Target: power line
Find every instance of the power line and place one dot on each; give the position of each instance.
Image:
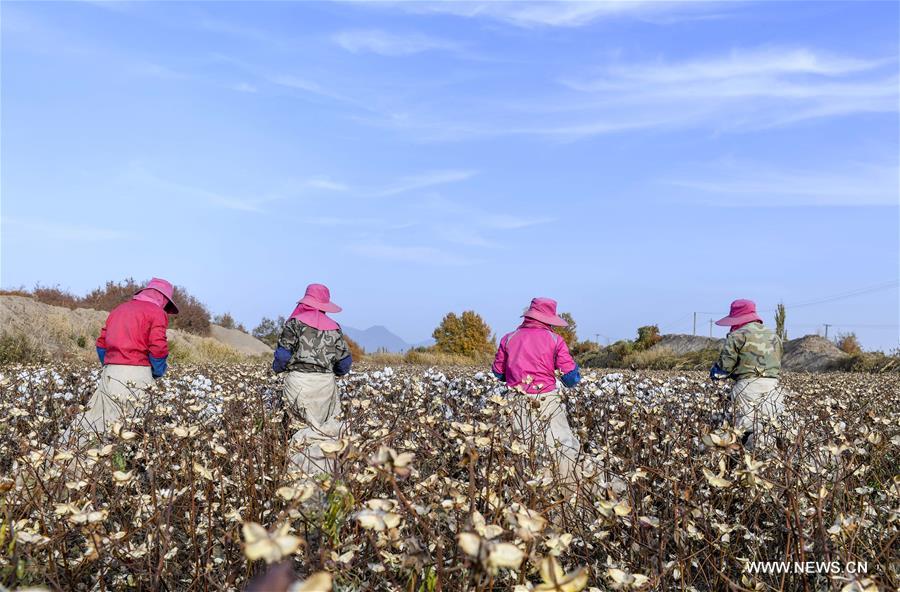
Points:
(833, 298)
(847, 325)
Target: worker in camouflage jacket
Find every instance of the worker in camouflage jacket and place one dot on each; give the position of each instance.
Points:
(312, 351)
(751, 357)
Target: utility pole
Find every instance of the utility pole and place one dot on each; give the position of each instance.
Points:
(826, 330)
(695, 323)
(597, 338)
(710, 327)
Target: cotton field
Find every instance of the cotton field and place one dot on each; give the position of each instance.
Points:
(431, 490)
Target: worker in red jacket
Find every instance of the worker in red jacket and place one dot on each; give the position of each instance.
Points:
(133, 349)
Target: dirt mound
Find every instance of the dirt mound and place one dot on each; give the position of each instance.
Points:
(811, 353)
(685, 344)
(246, 344)
(61, 332)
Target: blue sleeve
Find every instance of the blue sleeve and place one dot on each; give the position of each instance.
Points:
(282, 357)
(571, 378)
(342, 367)
(158, 366)
(499, 375)
(716, 372)
(101, 353)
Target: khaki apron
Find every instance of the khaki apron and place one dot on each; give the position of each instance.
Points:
(313, 395)
(120, 389)
(756, 402)
(550, 418)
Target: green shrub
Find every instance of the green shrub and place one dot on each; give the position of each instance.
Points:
(225, 320)
(19, 350)
(648, 336)
(268, 330)
(870, 362)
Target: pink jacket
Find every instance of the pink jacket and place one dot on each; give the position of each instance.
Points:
(530, 355)
(134, 332)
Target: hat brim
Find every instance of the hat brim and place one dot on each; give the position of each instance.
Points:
(170, 307)
(738, 320)
(319, 305)
(554, 320)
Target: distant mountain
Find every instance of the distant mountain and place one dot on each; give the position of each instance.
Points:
(377, 338)
(427, 343)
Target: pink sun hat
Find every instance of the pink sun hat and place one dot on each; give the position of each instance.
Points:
(544, 310)
(165, 288)
(319, 297)
(742, 311)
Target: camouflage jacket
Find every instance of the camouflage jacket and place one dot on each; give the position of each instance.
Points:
(312, 350)
(751, 351)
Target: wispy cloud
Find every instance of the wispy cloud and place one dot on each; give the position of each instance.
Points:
(730, 92)
(741, 90)
(465, 236)
(565, 13)
(336, 221)
(481, 218)
(423, 181)
(244, 32)
(392, 44)
(327, 184)
(139, 175)
(409, 254)
(244, 87)
(51, 230)
(748, 184)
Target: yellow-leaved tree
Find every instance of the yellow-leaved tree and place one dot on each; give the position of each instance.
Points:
(568, 333)
(466, 334)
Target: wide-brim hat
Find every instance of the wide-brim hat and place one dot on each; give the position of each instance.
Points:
(742, 311)
(319, 297)
(544, 310)
(166, 289)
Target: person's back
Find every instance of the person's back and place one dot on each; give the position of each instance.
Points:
(134, 332)
(751, 351)
(311, 352)
(529, 357)
(314, 350)
(133, 350)
(751, 357)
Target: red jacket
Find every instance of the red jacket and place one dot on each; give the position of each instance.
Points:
(134, 331)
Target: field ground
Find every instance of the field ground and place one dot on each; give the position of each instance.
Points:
(661, 502)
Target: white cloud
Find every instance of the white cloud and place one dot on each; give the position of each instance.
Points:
(737, 184)
(741, 90)
(335, 221)
(140, 176)
(327, 184)
(391, 44)
(733, 91)
(424, 181)
(559, 13)
(244, 87)
(50, 230)
(409, 254)
(482, 218)
(465, 236)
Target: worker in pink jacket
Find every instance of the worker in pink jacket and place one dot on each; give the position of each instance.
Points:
(528, 360)
(133, 350)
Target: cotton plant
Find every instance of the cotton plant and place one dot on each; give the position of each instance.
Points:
(427, 484)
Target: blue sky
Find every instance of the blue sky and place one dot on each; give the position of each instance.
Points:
(638, 161)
